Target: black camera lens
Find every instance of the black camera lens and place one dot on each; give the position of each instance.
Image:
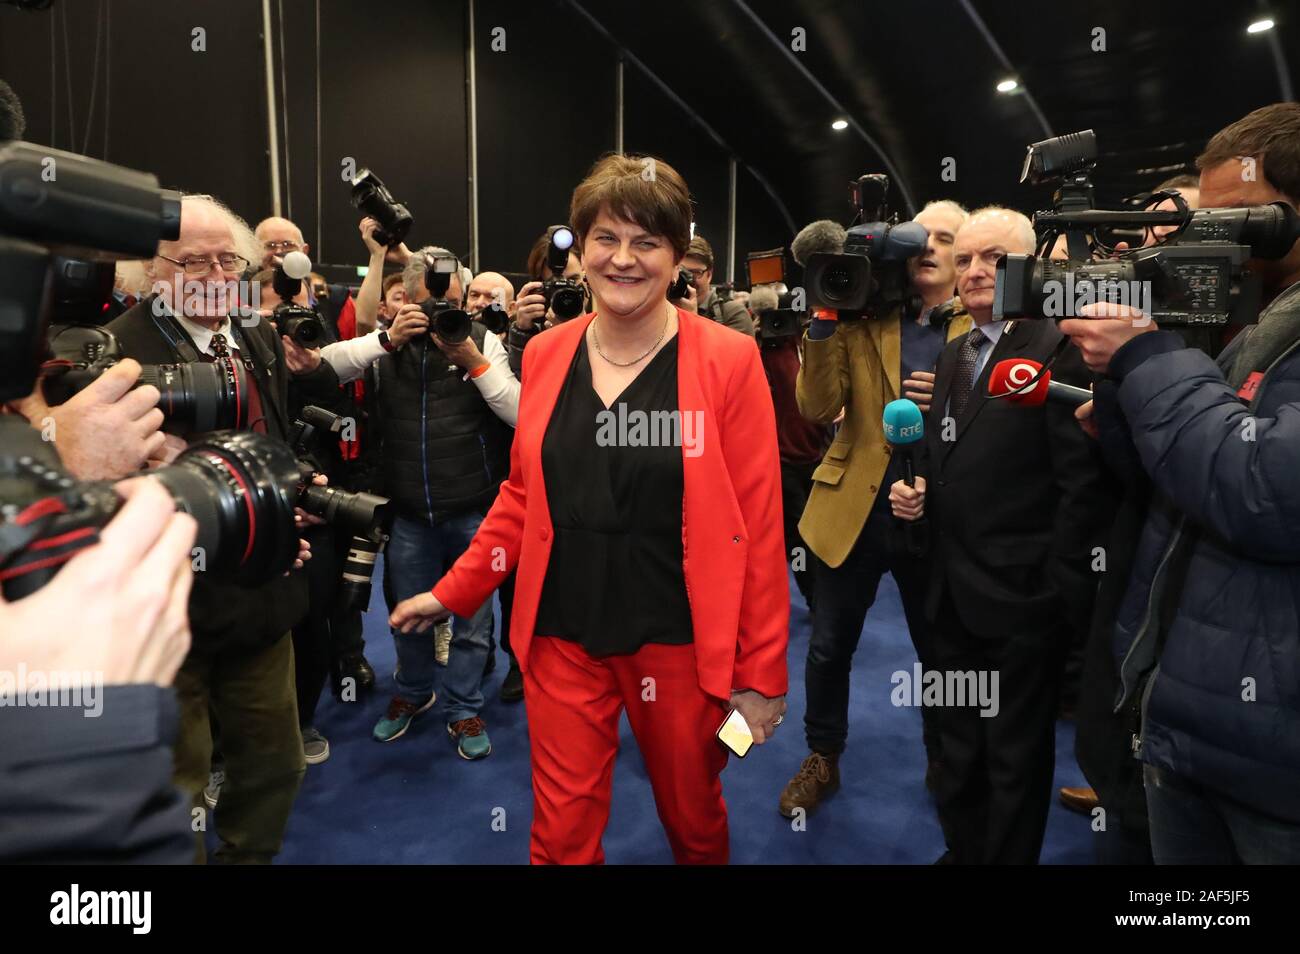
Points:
(302, 325)
(239, 488)
(564, 298)
(494, 318)
(358, 569)
(838, 283)
(451, 324)
(202, 397)
(356, 514)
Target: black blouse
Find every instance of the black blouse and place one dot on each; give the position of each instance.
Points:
(614, 485)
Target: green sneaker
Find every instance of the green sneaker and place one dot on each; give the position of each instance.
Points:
(471, 738)
(398, 717)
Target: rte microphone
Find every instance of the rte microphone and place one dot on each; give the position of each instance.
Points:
(904, 427)
(1011, 378)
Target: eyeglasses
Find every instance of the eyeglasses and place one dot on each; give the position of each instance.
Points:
(279, 247)
(695, 273)
(196, 267)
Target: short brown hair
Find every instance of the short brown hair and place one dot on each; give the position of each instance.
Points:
(389, 282)
(639, 189)
(1271, 136)
(701, 249)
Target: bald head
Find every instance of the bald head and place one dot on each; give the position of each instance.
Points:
(488, 287)
(279, 237)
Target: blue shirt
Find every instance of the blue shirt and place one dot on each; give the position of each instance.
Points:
(919, 351)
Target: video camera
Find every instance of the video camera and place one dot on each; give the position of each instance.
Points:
(564, 297)
(869, 278)
(451, 323)
(1196, 278)
(370, 196)
(782, 322)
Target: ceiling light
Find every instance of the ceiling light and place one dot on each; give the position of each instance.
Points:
(1007, 85)
(1259, 26)
(840, 124)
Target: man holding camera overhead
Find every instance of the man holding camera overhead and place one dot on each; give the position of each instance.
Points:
(446, 412)
(241, 663)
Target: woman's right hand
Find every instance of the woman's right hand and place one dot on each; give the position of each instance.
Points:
(530, 306)
(418, 614)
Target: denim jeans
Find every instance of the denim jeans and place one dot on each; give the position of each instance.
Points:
(417, 556)
(1192, 825)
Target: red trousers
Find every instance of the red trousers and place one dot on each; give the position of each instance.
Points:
(574, 702)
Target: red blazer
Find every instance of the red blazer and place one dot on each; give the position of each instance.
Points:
(732, 531)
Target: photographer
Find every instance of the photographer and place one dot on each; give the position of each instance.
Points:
(1208, 635)
(858, 367)
(704, 298)
(446, 414)
(241, 663)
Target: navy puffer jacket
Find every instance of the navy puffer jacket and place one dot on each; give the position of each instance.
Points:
(1222, 704)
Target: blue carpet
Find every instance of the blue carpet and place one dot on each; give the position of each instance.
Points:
(415, 801)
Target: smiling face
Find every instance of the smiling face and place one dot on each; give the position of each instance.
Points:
(628, 269)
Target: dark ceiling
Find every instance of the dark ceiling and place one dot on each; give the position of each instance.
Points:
(917, 78)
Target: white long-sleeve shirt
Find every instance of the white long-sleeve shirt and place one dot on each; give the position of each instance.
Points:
(498, 385)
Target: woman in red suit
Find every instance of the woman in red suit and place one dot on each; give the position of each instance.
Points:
(643, 511)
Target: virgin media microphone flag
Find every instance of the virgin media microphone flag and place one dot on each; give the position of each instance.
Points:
(1014, 379)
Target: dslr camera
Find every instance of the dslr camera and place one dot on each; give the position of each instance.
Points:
(1196, 279)
(371, 197)
(451, 323)
(301, 323)
(869, 278)
(564, 297)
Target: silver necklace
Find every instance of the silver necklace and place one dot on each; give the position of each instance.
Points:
(595, 337)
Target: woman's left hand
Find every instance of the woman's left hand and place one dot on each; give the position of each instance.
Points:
(762, 714)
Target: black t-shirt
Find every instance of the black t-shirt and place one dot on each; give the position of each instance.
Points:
(615, 487)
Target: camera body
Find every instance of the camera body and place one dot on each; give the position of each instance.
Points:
(494, 317)
(564, 297)
(778, 325)
(869, 277)
(371, 196)
(300, 323)
(448, 321)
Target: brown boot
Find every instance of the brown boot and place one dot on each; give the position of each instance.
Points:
(818, 776)
(1081, 800)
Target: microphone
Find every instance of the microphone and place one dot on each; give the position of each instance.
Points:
(905, 427)
(823, 236)
(1011, 377)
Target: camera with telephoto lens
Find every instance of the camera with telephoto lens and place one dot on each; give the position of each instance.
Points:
(449, 322)
(869, 278)
(564, 297)
(370, 196)
(494, 316)
(301, 323)
(238, 487)
(358, 514)
(194, 398)
(1196, 279)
